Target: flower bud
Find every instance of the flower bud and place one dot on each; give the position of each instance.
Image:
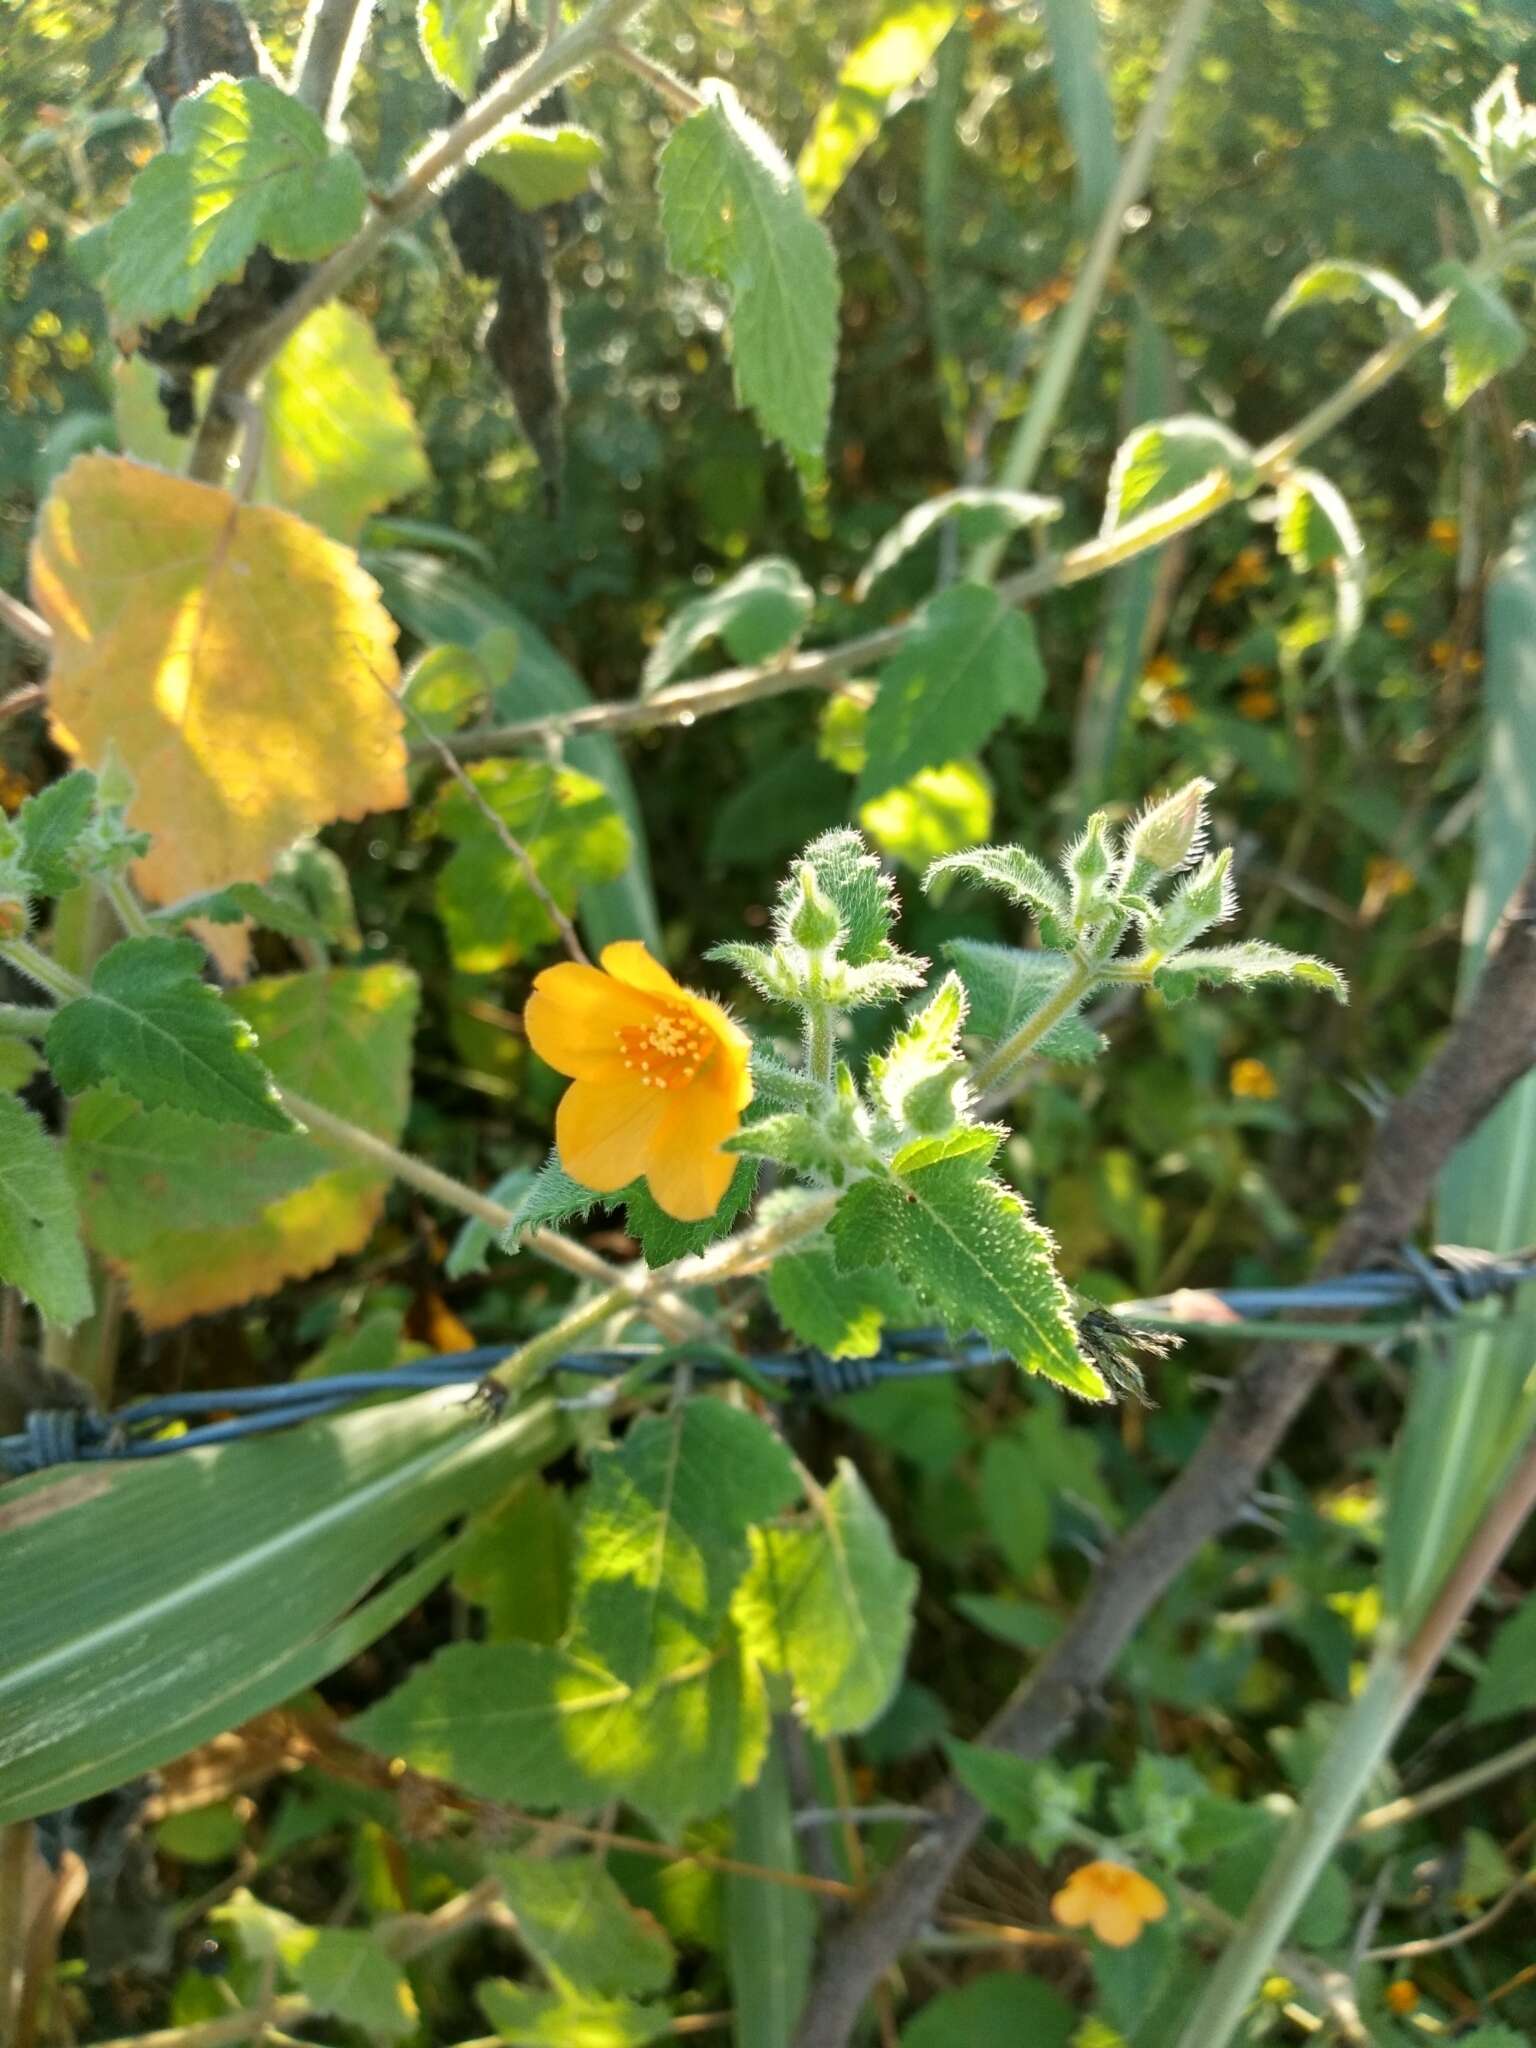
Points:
(813, 921)
(1168, 834)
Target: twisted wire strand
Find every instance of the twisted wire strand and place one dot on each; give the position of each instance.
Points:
(1449, 1281)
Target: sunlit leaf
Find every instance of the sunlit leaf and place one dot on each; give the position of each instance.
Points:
(40, 1250)
(453, 33)
(732, 209)
(829, 1602)
(542, 166)
(165, 1036)
(757, 612)
(884, 65)
(246, 166)
(239, 662)
(197, 1216)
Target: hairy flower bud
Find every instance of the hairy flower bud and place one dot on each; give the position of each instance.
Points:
(813, 921)
(1168, 835)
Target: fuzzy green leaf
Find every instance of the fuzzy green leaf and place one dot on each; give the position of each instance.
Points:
(344, 1971)
(542, 166)
(732, 209)
(48, 827)
(568, 2018)
(565, 823)
(1168, 457)
(40, 1250)
(546, 1728)
(840, 1313)
(166, 1037)
(923, 1052)
(574, 1919)
(1006, 986)
(1335, 282)
(889, 59)
(551, 1197)
(969, 661)
(246, 166)
(829, 1604)
(1482, 334)
(1507, 1683)
(758, 612)
(852, 876)
(662, 1540)
(1250, 961)
(986, 508)
(972, 1249)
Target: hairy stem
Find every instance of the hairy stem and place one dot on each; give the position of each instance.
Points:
(433, 168)
(1003, 1059)
(329, 47)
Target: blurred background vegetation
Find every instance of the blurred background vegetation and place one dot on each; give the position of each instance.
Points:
(1214, 1145)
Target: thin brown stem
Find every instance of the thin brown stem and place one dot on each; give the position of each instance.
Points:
(1434, 1944)
(666, 85)
(25, 623)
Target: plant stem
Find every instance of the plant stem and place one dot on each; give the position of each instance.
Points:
(329, 47)
(131, 914)
(24, 1020)
(31, 961)
(1414, 1805)
(818, 1042)
(1071, 328)
(1398, 1674)
(25, 623)
(434, 166)
(1000, 1062)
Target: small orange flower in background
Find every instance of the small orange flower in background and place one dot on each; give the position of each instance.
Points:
(1442, 652)
(660, 1079)
(1398, 623)
(1112, 1899)
(1443, 533)
(1401, 1996)
(1258, 704)
(1253, 1081)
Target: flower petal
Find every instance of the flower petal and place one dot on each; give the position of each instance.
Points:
(604, 1131)
(1071, 1906)
(629, 962)
(1144, 1898)
(574, 1015)
(1116, 1923)
(685, 1169)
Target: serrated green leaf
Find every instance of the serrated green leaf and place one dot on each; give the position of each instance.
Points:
(1006, 511)
(1005, 984)
(199, 1215)
(345, 1972)
(888, 60)
(1020, 875)
(1482, 334)
(453, 33)
(758, 612)
(1250, 961)
(40, 1249)
(1037, 1803)
(965, 1141)
(1458, 152)
(968, 662)
(542, 166)
(732, 209)
(828, 1603)
(1336, 281)
(541, 1726)
(551, 1197)
(925, 1049)
(48, 827)
(662, 1238)
(841, 1314)
(662, 1541)
(1168, 457)
(246, 166)
(574, 1919)
(565, 823)
(971, 1248)
(166, 1037)
(568, 2018)
(865, 896)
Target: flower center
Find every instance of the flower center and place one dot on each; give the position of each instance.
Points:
(669, 1051)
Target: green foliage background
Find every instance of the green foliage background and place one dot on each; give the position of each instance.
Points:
(1218, 1143)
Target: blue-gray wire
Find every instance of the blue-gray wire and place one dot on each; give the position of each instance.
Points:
(1448, 1281)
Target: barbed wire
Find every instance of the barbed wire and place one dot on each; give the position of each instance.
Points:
(1439, 1288)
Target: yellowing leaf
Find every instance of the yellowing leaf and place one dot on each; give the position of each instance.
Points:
(198, 1216)
(240, 663)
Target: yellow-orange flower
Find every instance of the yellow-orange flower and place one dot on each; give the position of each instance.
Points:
(1401, 1996)
(1115, 1901)
(660, 1079)
(1253, 1081)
